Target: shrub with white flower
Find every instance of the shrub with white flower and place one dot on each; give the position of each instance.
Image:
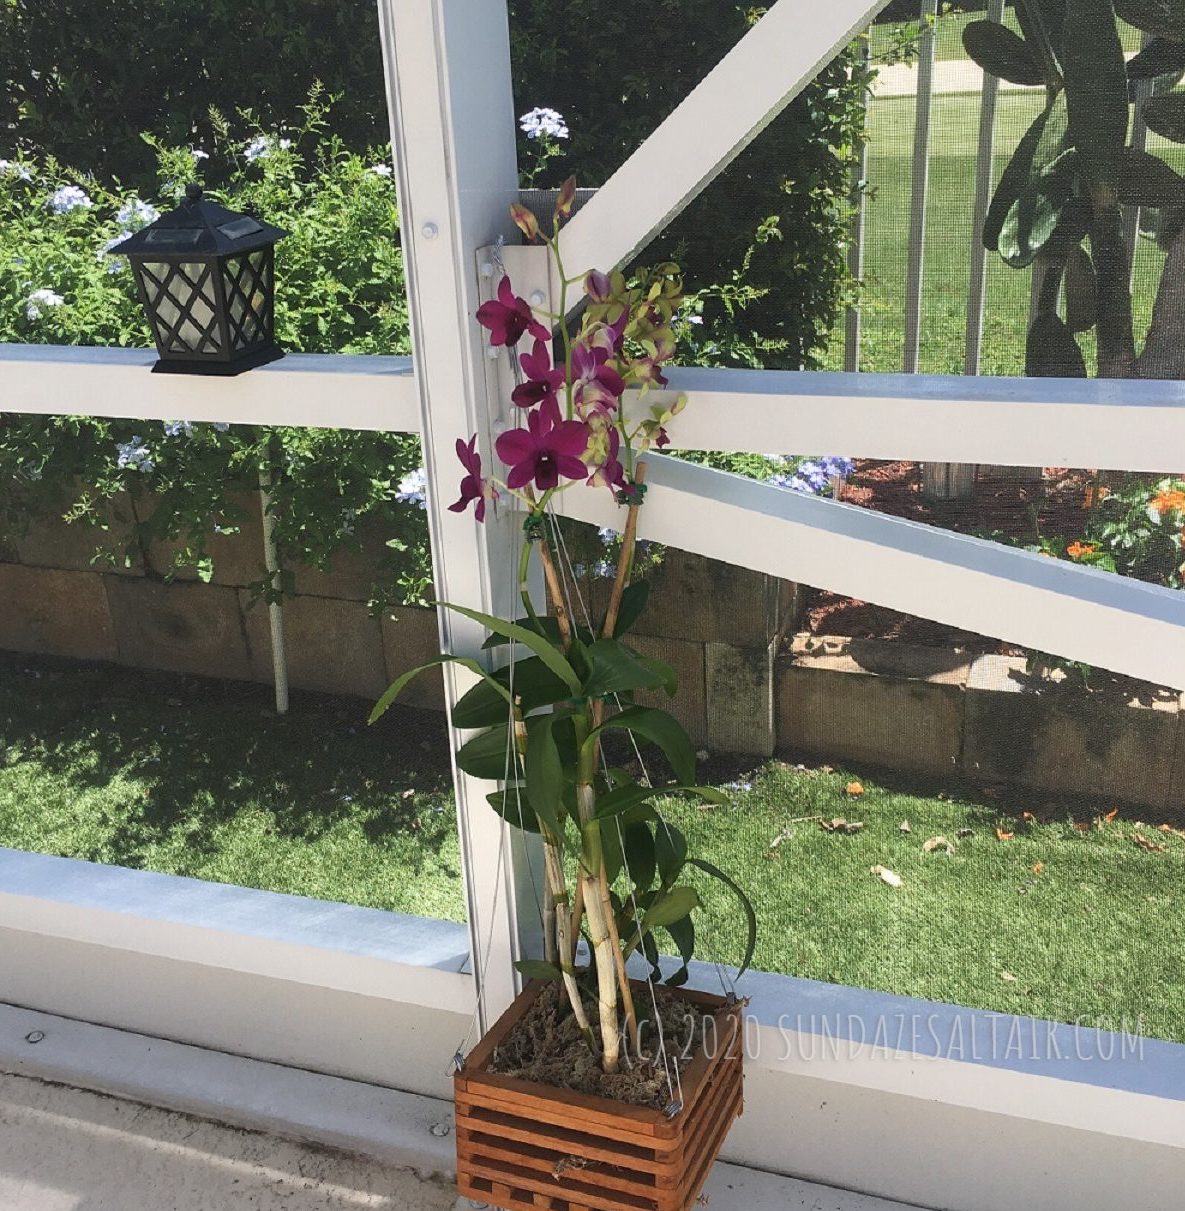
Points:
(40, 301)
(11, 168)
(67, 198)
(413, 488)
(263, 146)
(380, 170)
(542, 122)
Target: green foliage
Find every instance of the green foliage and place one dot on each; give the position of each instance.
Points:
(1073, 169)
(340, 275)
(764, 245)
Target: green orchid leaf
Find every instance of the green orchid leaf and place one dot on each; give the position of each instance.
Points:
(546, 626)
(668, 678)
(537, 969)
(614, 669)
(1051, 350)
(633, 604)
(398, 685)
(544, 773)
(485, 755)
(1147, 180)
(670, 852)
(538, 644)
(1003, 53)
(514, 807)
(640, 860)
(709, 868)
(658, 728)
(668, 906)
(683, 935)
(622, 798)
(532, 682)
(1165, 116)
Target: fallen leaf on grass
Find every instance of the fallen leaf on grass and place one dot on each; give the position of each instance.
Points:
(937, 843)
(1007, 977)
(904, 826)
(840, 825)
(1038, 868)
(1176, 832)
(965, 832)
(1028, 817)
(1148, 844)
(886, 875)
(1111, 815)
(854, 788)
(1001, 835)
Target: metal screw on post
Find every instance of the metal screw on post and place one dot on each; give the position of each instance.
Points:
(440, 1130)
(34, 1036)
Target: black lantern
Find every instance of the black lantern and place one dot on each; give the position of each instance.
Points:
(206, 279)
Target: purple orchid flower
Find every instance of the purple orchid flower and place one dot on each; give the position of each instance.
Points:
(545, 450)
(508, 317)
(597, 386)
(473, 487)
(543, 379)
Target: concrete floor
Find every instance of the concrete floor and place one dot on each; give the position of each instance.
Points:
(65, 1149)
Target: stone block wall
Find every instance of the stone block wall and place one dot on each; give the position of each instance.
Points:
(945, 713)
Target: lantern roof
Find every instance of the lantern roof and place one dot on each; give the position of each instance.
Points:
(202, 228)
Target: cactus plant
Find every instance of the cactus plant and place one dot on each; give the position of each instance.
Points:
(1058, 206)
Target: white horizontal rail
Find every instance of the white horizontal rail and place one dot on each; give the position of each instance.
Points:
(746, 90)
(312, 390)
(1119, 423)
(1054, 606)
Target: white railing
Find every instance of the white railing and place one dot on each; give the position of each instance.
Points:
(92, 942)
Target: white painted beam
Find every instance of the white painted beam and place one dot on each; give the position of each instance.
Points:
(1109, 621)
(746, 90)
(1118, 423)
(317, 390)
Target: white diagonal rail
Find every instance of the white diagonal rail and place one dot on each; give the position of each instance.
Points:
(1051, 605)
(718, 119)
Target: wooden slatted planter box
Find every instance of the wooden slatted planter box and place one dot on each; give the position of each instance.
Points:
(524, 1146)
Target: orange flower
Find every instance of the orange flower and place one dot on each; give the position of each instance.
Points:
(1077, 549)
(1169, 500)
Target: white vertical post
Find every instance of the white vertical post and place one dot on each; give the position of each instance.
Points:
(920, 188)
(984, 176)
(853, 318)
(447, 65)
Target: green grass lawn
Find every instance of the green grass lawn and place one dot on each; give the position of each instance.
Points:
(954, 140)
(948, 34)
(200, 778)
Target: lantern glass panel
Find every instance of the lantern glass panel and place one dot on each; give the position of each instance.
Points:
(247, 282)
(185, 313)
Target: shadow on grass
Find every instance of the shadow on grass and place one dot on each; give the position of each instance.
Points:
(197, 753)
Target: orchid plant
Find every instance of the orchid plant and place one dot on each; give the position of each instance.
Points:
(613, 868)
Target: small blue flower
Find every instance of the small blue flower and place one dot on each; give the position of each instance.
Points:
(543, 123)
(9, 167)
(134, 455)
(68, 197)
(134, 214)
(175, 428)
(413, 488)
(220, 426)
(604, 569)
(739, 786)
(607, 534)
